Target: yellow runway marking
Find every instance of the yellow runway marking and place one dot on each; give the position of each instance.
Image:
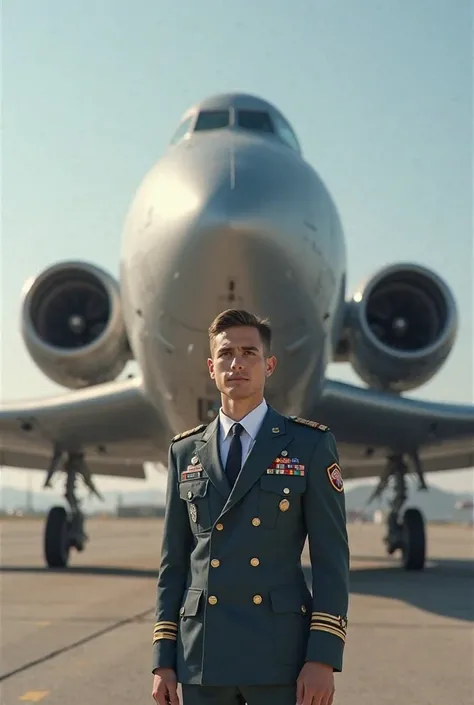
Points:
(34, 696)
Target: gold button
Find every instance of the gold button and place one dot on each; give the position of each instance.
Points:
(219, 527)
(189, 495)
(181, 611)
(284, 505)
(256, 521)
(303, 609)
(258, 599)
(286, 490)
(215, 562)
(212, 600)
(254, 561)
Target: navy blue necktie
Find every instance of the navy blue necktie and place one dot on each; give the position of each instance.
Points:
(234, 459)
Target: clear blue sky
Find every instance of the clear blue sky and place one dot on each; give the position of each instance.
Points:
(379, 92)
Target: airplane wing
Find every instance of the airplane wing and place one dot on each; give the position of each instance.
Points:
(114, 424)
(370, 425)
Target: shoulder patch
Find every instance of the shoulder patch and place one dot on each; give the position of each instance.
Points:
(335, 477)
(191, 431)
(307, 422)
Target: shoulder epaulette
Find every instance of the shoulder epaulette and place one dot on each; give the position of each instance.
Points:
(307, 422)
(191, 431)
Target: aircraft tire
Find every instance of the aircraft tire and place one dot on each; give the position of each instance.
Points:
(414, 540)
(56, 541)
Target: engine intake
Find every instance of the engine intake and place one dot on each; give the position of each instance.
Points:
(402, 325)
(72, 324)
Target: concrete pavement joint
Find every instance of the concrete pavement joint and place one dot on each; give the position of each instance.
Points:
(75, 644)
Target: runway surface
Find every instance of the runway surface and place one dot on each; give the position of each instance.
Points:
(83, 635)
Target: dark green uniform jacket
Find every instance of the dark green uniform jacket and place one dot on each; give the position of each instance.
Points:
(233, 606)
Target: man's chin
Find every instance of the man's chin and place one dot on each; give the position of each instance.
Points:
(238, 390)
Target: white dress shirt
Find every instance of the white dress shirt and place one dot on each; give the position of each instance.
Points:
(251, 425)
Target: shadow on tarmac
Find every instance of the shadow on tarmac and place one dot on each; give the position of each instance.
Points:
(444, 588)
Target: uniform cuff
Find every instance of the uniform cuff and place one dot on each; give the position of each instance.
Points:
(327, 638)
(164, 645)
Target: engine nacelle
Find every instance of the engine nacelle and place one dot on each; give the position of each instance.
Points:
(73, 326)
(400, 328)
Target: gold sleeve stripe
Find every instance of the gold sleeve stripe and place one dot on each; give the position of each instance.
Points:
(329, 619)
(329, 630)
(167, 635)
(164, 635)
(316, 625)
(171, 625)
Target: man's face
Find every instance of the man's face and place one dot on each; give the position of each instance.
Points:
(238, 364)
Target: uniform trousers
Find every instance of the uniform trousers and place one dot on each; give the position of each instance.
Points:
(250, 695)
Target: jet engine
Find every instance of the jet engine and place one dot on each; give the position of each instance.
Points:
(73, 326)
(401, 327)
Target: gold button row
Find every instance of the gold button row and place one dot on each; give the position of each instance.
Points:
(253, 561)
(256, 599)
(256, 521)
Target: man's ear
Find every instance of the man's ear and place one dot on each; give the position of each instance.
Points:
(210, 367)
(271, 364)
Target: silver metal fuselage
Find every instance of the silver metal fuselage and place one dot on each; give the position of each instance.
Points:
(231, 219)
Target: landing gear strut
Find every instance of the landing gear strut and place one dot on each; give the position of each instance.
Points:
(404, 533)
(64, 530)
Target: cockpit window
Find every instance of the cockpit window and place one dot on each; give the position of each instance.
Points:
(257, 120)
(287, 134)
(182, 130)
(212, 120)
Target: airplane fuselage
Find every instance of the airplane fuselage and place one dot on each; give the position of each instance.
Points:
(231, 219)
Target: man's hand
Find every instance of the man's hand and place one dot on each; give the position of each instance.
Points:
(315, 684)
(165, 687)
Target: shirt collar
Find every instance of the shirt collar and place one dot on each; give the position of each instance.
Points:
(251, 422)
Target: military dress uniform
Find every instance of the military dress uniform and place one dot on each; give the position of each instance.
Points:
(234, 611)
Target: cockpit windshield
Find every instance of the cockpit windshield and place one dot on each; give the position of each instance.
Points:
(212, 120)
(257, 120)
(260, 121)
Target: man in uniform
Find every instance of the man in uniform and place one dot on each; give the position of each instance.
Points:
(235, 620)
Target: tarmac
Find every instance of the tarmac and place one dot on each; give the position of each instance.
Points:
(82, 636)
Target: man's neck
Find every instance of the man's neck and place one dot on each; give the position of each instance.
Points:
(236, 409)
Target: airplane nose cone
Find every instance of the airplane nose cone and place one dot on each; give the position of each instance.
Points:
(254, 180)
(242, 236)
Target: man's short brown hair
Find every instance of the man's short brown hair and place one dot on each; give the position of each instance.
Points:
(233, 318)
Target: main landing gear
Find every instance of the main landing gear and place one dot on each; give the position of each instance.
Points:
(406, 532)
(65, 530)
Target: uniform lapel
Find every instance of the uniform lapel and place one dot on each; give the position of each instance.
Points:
(207, 450)
(271, 438)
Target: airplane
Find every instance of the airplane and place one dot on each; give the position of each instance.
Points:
(233, 216)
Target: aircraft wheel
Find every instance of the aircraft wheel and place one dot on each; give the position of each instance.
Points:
(414, 540)
(56, 538)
